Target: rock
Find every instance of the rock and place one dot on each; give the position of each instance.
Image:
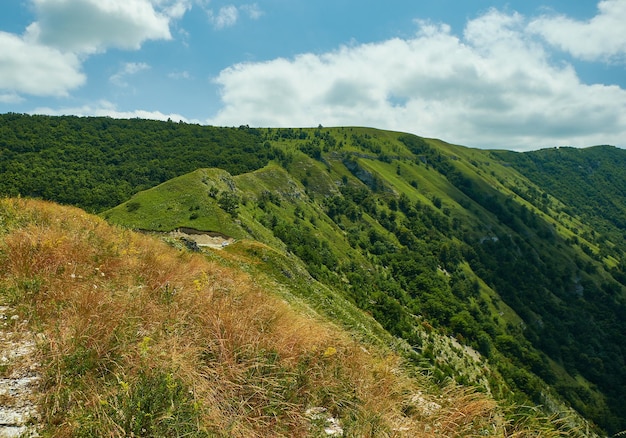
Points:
(190, 244)
(332, 426)
(18, 384)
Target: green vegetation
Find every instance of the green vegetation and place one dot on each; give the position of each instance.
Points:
(97, 162)
(202, 199)
(140, 339)
(451, 250)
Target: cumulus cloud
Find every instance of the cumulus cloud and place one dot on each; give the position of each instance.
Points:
(228, 16)
(128, 69)
(493, 87)
(27, 68)
(600, 38)
(91, 26)
(47, 59)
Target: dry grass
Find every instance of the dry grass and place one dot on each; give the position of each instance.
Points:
(142, 339)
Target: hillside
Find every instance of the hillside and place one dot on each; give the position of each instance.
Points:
(137, 338)
(591, 184)
(491, 270)
(97, 162)
(420, 233)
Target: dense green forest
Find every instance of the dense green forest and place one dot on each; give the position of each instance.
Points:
(520, 256)
(591, 183)
(97, 163)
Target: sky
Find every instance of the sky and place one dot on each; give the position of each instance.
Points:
(518, 74)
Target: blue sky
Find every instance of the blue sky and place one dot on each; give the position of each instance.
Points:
(513, 75)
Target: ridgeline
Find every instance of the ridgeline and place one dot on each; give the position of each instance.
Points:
(499, 272)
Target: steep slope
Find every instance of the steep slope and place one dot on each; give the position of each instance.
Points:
(137, 338)
(500, 270)
(426, 236)
(590, 181)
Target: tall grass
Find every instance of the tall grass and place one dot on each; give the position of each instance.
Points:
(141, 339)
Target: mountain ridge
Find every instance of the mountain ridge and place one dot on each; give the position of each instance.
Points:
(365, 171)
(430, 239)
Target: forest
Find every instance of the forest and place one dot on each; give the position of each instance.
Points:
(98, 163)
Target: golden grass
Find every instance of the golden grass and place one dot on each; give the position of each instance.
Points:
(139, 335)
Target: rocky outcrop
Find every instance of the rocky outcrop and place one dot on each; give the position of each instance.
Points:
(19, 377)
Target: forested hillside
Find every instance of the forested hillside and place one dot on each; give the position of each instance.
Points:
(591, 183)
(117, 334)
(490, 250)
(97, 163)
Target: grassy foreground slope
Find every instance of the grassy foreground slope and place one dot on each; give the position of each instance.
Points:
(138, 338)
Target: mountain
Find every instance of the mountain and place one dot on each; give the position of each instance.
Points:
(135, 337)
(494, 270)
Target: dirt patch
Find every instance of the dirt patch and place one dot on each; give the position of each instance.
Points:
(203, 238)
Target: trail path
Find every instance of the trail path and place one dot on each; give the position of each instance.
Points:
(18, 377)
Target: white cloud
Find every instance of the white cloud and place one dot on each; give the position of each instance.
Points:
(27, 68)
(226, 17)
(174, 8)
(11, 98)
(494, 87)
(601, 38)
(91, 26)
(128, 69)
(47, 59)
(252, 10)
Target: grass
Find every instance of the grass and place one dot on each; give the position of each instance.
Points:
(141, 339)
(299, 192)
(181, 202)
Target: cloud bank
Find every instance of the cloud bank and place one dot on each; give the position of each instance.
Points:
(227, 16)
(47, 59)
(91, 26)
(495, 86)
(31, 68)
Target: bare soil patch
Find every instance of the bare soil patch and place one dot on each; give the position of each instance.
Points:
(208, 239)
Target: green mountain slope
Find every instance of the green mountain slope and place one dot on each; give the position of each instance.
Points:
(115, 333)
(492, 269)
(423, 234)
(591, 183)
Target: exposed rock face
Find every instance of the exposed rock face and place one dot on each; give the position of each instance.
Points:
(18, 377)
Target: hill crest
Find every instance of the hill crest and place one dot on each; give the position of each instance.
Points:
(500, 252)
